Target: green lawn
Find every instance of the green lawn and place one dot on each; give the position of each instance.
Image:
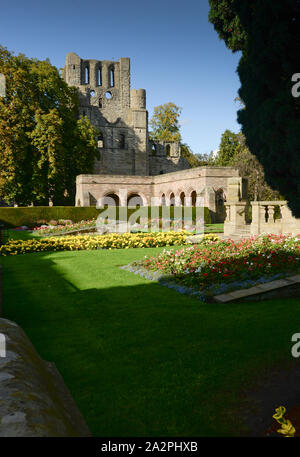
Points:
(141, 359)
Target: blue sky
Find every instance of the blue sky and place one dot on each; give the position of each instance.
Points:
(175, 53)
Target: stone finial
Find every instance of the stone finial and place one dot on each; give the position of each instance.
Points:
(2, 85)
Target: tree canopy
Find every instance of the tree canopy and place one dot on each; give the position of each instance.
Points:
(267, 33)
(43, 146)
(166, 127)
(234, 152)
(165, 123)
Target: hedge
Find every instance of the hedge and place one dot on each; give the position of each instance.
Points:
(29, 216)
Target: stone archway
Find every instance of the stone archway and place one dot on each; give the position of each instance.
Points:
(135, 200)
(182, 198)
(111, 199)
(220, 206)
(172, 199)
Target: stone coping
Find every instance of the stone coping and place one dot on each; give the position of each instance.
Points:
(34, 400)
(272, 289)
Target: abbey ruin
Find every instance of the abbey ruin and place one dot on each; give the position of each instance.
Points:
(145, 169)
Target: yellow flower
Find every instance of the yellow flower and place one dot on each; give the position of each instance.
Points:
(287, 429)
(279, 413)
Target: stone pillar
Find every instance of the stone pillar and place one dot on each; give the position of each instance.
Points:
(255, 224)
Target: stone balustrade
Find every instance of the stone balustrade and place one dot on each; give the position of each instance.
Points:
(263, 218)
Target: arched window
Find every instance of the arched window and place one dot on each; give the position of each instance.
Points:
(122, 141)
(172, 199)
(168, 150)
(182, 198)
(111, 77)
(153, 149)
(134, 200)
(99, 76)
(86, 75)
(194, 197)
(100, 141)
(111, 200)
(163, 200)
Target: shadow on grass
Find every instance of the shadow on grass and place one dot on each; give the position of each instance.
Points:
(141, 359)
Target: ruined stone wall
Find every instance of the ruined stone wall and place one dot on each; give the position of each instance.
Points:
(165, 157)
(34, 399)
(201, 186)
(120, 115)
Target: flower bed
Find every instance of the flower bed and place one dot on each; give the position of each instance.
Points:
(86, 242)
(63, 226)
(213, 268)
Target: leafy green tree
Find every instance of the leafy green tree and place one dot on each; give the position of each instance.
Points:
(165, 123)
(249, 167)
(228, 148)
(271, 117)
(42, 144)
(165, 127)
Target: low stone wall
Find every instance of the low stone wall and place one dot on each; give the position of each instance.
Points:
(34, 401)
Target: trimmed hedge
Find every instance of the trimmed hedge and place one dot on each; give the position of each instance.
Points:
(29, 216)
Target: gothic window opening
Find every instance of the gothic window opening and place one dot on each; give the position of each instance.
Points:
(111, 77)
(99, 77)
(86, 75)
(168, 150)
(153, 149)
(172, 199)
(122, 141)
(100, 141)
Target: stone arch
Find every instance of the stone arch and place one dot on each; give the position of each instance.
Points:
(136, 199)
(182, 198)
(110, 198)
(220, 199)
(194, 198)
(163, 200)
(172, 199)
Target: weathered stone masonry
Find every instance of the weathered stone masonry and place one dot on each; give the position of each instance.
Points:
(130, 165)
(121, 116)
(203, 186)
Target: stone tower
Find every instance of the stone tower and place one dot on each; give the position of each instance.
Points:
(119, 114)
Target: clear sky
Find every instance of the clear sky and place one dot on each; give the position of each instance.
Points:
(175, 53)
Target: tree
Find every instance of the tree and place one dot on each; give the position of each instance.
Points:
(228, 148)
(249, 167)
(42, 144)
(165, 127)
(234, 152)
(267, 33)
(165, 123)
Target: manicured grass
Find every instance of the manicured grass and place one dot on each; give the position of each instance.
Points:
(141, 359)
(214, 228)
(21, 235)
